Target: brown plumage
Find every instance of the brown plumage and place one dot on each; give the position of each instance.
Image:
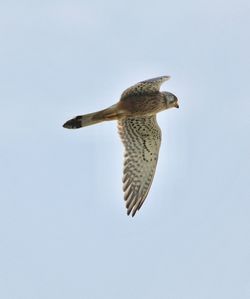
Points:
(140, 134)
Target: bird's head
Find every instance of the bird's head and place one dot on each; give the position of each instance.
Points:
(170, 100)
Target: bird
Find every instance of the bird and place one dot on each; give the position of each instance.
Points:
(140, 134)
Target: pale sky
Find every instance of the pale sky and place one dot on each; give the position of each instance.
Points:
(64, 232)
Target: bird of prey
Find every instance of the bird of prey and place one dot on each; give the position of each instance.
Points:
(136, 115)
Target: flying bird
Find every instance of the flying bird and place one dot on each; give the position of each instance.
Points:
(139, 131)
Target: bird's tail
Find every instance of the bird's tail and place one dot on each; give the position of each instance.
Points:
(80, 121)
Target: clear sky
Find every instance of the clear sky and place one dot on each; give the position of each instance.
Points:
(64, 232)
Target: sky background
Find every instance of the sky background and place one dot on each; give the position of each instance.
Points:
(64, 232)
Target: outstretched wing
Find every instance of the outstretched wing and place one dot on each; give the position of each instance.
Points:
(145, 87)
(142, 139)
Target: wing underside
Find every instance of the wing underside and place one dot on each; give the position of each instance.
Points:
(145, 87)
(141, 137)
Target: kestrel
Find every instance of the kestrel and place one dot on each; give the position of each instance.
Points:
(136, 115)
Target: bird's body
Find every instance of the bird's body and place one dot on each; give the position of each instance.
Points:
(143, 105)
(136, 114)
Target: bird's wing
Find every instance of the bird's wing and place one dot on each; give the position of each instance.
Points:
(145, 87)
(141, 137)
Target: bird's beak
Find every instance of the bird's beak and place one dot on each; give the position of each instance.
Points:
(177, 105)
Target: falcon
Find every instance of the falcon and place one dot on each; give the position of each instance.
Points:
(140, 133)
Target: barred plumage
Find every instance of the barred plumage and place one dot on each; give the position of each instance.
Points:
(142, 139)
(136, 114)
